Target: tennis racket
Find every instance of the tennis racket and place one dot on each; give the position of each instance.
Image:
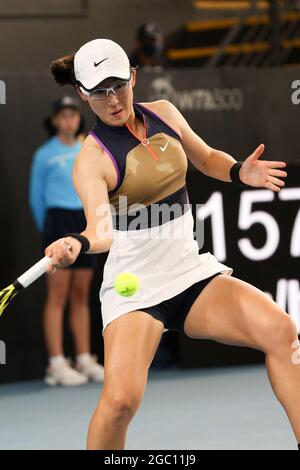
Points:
(22, 282)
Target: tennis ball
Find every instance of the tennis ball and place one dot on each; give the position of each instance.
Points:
(126, 284)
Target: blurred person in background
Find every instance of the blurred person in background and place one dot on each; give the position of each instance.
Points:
(148, 49)
(57, 209)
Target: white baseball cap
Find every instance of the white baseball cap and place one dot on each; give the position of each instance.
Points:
(99, 59)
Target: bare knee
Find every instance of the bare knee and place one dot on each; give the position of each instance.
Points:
(281, 335)
(120, 407)
(57, 298)
(79, 295)
(124, 407)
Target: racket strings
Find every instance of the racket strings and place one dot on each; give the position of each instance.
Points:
(6, 295)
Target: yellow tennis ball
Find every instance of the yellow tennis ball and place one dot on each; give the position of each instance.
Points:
(126, 284)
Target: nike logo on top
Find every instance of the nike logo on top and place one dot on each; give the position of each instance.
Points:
(96, 64)
(164, 148)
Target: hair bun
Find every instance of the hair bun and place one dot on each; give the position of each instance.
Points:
(63, 70)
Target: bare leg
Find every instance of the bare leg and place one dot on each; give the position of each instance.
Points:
(79, 308)
(57, 294)
(130, 343)
(232, 311)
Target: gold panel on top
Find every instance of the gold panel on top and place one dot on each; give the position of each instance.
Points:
(148, 180)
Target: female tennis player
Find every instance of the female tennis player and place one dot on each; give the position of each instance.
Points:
(135, 157)
(57, 209)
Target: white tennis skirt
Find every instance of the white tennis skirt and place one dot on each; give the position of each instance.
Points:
(165, 258)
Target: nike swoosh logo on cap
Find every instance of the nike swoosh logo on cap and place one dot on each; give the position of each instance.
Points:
(96, 64)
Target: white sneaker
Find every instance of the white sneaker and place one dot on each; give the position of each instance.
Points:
(64, 374)
(91, 369)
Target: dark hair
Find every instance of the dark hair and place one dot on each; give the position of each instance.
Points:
(51, 130)
(63, 70)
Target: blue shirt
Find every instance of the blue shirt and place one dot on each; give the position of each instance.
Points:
(51, 183)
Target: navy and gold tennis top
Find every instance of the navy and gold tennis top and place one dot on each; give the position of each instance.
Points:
(151, 171)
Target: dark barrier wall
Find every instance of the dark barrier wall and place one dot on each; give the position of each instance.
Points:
(231, 110)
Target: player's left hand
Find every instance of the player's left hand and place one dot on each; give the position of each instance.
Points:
(262, 173)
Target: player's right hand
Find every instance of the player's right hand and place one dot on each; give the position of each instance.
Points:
(63, 252)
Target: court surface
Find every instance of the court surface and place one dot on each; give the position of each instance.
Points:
(231, 408)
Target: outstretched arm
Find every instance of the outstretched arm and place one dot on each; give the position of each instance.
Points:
(91, 186)
(217, 164)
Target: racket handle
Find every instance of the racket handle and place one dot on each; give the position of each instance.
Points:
(32, 274)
